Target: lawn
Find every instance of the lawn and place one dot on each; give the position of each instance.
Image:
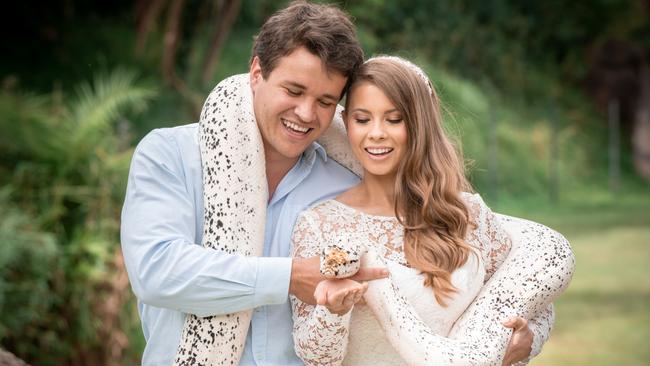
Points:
(604, 316)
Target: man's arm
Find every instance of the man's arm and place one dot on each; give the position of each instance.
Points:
(165, 265)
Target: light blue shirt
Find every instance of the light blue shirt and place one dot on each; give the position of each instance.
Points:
(172, 274)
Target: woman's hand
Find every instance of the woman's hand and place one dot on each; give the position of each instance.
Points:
(339, 295)
(305, 276)
(521, 342)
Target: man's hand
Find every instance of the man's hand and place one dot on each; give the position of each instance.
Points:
(521, 343)
(305, 276)
(338, 296)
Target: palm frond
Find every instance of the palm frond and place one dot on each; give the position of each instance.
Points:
(100, 104)
(30, 126)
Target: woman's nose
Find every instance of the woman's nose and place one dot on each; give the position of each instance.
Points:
(377, 130)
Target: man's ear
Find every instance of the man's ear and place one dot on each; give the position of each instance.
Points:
(255, 72)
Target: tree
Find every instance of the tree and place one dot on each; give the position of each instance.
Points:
(222, 13)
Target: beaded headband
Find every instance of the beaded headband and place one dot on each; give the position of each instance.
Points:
(411, 66)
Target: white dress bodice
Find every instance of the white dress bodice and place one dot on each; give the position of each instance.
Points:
(367, 344)
(401, 322)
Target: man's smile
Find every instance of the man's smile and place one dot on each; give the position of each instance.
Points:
(295, 128)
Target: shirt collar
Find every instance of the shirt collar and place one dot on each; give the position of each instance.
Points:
(312, 151)
(299, 172)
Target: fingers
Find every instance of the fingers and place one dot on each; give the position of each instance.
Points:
(369, 274)
(521, 341)
(516, 323)
(339, 295)
(350, 298)
(320, 294)
(507, 360)
(347, 293)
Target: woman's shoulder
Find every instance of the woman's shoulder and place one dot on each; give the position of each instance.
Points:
(474, 203)
(327, 210)
(480, 215)
(471, 198)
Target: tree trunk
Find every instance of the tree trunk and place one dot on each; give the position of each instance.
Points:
(641, 128)
(146, 13)
(170, 41)
(227, 13)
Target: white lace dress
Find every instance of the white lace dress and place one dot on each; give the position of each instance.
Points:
(402, 323)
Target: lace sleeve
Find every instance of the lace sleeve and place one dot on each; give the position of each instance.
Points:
(320, 337)
(538, 269)
(488, 235)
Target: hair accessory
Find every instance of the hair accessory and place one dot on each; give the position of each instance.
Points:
(413, 67)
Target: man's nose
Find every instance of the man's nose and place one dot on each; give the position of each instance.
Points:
(306, 111)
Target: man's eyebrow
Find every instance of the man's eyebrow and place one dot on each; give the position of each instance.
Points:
(295, 85)
(302, 87)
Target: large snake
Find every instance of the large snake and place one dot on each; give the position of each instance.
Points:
(521, 286)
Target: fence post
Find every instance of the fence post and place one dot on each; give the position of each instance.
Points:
(614, 146)
(554, 158)
(493, 155)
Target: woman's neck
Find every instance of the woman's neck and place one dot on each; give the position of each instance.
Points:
(374, 195)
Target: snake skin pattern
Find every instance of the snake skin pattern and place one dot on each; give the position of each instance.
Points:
(235, 194)
(527, 265)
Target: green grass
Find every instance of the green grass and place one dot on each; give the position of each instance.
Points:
(604, 316)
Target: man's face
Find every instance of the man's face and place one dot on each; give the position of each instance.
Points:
(295, 104)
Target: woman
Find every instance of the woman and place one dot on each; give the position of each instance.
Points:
(412, 213)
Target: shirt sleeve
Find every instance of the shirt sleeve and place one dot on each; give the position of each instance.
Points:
(166, 267)
(320, 337)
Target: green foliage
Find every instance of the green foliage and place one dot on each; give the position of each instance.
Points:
(507, 71)
(522, 48)
(507, 146)
(64, 173)
(27, 259)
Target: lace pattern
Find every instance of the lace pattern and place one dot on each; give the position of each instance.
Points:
(322, 338)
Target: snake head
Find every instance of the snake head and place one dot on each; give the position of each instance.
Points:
(336, 262)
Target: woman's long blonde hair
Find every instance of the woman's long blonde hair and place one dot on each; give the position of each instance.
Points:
(430, 177)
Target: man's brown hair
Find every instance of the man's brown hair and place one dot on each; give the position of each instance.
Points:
(324, 30)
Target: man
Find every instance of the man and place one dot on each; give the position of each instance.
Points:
(302, 61)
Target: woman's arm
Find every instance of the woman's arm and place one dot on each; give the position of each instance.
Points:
(537, 268)
(495, 243)
(320, 337)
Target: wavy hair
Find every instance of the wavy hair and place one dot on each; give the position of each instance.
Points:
(430, 177)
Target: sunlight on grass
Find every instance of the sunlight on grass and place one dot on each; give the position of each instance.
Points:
(604, 316)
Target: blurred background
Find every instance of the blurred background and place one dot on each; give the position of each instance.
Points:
(550, 101)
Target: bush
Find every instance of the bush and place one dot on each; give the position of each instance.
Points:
(62, 282)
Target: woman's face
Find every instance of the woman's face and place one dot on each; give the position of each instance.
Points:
(376, 130)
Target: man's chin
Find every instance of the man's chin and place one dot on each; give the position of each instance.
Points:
(292, 152)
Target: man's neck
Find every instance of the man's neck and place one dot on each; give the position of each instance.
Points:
(276, 168)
